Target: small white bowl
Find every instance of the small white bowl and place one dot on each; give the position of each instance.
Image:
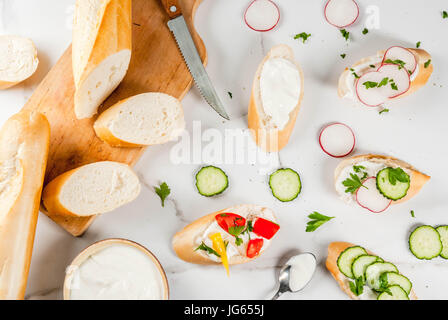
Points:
(100, 245)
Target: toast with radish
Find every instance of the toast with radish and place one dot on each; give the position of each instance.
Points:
(362, 275)
(277, 93)
(395, 72)
(230, 236)
(375, 181)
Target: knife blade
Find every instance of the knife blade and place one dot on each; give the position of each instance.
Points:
(179, 28)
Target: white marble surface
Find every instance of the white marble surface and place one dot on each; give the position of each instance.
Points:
(415, 130)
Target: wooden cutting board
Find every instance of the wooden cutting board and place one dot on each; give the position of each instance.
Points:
(156, 65)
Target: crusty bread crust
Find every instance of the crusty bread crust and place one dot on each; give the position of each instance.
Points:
(50, 195)
(334, 250)
(418, 179)
(184, 242)
(422, 78)
(272, 140)
(26, 136)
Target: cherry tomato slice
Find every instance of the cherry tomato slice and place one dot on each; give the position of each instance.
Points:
(265, 228)
(226, 220)
(253, 247)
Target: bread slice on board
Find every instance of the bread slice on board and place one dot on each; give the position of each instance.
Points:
(418, 179)
(268, 137)
(94, 188)
(101, 51)
(334, 250)
(24, 143)
(18, 60)
(142, 120)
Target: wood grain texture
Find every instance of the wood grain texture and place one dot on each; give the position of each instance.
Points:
(156, 66)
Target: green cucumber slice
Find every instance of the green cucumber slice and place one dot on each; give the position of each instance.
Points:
(393, 278)
(285, 184)
(361, 263)
(443, 232)
(391, 191)
(346, 258)
(398, 293)
(375, 270)
(211, 181)
(425, 243)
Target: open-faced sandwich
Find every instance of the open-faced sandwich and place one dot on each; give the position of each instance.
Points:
(231, 236)
(375, 182)
(387, 75)
(277, 93)
(364, 276)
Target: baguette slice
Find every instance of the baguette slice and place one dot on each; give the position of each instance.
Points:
(334, 250)
(24, 143)
(18, 60)
(418, 179)
(184, 242)
(420, 80)
(92, 189)
(266, 135)
(141, 120)
(101, 51)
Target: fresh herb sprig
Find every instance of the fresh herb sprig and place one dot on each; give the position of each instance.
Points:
(357, 286)
(398, 62)
(207, 249)
(354, 182)
(398, 174)
(304, 36)
(316, 221)
(345, 34)
(163, 191)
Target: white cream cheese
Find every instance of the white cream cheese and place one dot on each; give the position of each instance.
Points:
(301, 272)
(280, 86)
(250, 212)
(117, 272)
(367, 293)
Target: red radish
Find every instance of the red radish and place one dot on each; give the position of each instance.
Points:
(262, 15)
(370, 198)
(403, 54)
(341, 13)
(400, 76)
(337, 140)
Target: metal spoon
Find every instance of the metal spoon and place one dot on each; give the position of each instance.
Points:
(284, 278)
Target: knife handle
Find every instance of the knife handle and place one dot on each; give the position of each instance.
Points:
(172, 8)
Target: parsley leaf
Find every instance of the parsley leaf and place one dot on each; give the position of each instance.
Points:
(230, 94)
(418, 44)
(398, 62)
(345, 34)
(365, 31)
(358, 169)
(316, 221)
(163, 191)
(444, 14)
(353, 184)
(383, 82)
(304, 36)
(427, 63)
(357, 287)
(354, 73)
(412, 214)
(372, 66)
(343, 56)
(384, 285)
(207, 249)
(397, 174)
(383, 111)
(370, 84)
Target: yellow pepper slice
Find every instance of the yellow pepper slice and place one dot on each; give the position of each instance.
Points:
(220, 247)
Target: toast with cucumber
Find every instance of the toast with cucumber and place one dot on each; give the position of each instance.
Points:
(362, 275)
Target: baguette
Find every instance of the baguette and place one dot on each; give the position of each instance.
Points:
(418, 179)
(24, 143)
(334, 250)
(101, 51)
(345, 90)
(266, 133)
(91, 189)
(141, 120)
(186, 241)
(18, 60)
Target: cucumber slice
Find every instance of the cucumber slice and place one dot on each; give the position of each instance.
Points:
(443, 232)
(211, 181)
(285, 184)
(425, 243)
(361, 263)
(375, 270)
(397, 294)
(393, 278)
(346, 259)
(391, 191)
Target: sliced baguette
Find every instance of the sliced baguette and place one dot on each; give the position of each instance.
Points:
(141, 120)
(101, 51)
(18, 60)
(420, 80)
(92, 189)
(334, 250)
(266, 135)
(24, 143)
(184, 242)
(418, 179)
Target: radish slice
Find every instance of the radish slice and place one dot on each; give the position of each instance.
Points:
(400, 76)
(337, 140)
(341, 13)
(372, 97)
(262, 15)
(403, 54)
(370, 198)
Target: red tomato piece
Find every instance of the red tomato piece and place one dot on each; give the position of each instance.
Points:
(253, 247)
(265, 228)
(226, 220)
